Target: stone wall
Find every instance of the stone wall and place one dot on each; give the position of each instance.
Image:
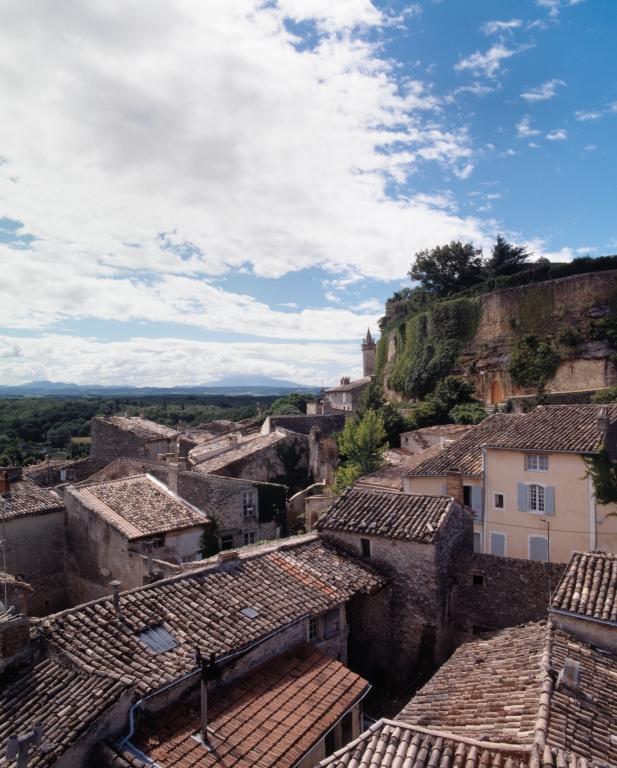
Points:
(35, 547)
(323, 456)
(492, 592)
(14, 640)
(48, 474)
(302, 424)
(109, 442)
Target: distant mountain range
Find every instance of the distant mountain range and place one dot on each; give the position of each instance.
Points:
(231, 385)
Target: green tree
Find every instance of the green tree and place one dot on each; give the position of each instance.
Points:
(208, 541)
(533, 363)
(506, 259)
(447, 269)
(363, 445)
(372, 399)
(453, 390)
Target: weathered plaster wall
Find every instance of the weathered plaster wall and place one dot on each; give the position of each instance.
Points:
(323, 456)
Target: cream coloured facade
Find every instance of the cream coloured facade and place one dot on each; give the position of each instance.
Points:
(543, 509)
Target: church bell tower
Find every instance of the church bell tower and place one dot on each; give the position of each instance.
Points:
(369, 355)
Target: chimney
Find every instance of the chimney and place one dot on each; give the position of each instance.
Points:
(18, 747)
(454, 484)
(232, 440)
(203, 663)
(570, 677)
(518, 407)
(150, 544)
(228, 560)
(116, 584)
(142, 415)
(14, 638)
(5, 483)
(603, 419)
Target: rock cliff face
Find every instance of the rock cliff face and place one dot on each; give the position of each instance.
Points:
(570, 312)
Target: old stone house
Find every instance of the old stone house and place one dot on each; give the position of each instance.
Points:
(419, 440)
(130, 436)
(107, 667)
(34, 530)
(345, 398)
(109, 526)
(399, 463)
(413, 539)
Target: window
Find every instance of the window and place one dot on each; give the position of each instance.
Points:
(538, 548)
(331, 623)
(536, 462)
(498, 544)
(499, 501)
(535, 498)
(478, 580)
(248, 505)
(313, 628)
(467, 495)
(227, 542)
(157, 639)
(347, 728)
(249, 538)
(366, 547)
(190, 558)
(158, 448)
(477, 542)
(62, 475)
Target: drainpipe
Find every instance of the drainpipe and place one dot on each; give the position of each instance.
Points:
(484, 502)
(19, 746)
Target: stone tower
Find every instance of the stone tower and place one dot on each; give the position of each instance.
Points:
(369, 355)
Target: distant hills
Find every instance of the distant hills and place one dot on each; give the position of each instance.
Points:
(231, 385)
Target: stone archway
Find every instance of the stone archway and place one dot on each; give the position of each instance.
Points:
(496, 393)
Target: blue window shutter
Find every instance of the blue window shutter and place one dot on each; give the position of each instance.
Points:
(549, 500)
(445, 490)
(476, 502)
(522, 497)
(538, 548)
(498, 544)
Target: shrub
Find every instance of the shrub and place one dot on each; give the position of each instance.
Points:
(468, 413)
(533, 363)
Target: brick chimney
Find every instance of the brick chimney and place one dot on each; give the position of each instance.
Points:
(454, 484)
(5, 483)
(14, 639)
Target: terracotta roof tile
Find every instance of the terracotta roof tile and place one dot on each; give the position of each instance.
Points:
(554, 428)
(386, 513)
(142, 428)
(271, 716)
(28, 498)
(246, 447)
(391, 477)
(589, 586)
(465, 454)
(140, 506)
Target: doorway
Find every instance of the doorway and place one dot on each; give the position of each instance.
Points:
(496, 393)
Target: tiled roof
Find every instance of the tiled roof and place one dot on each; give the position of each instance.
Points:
(271, 716)
(352, 385)
(490, 686)
(465, 453)
(142, 428)
(66, 699)
(387, 513)
(589, 586)
(140, 506)
(391, 477)
(506, 688)
(28, 498)
(389, 743)
(246, 447)
(203, 607)
(439, 430)
(554, 428)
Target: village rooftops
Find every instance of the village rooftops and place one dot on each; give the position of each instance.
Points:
(532, 685)
(246, 446)
(351, 385)
(439, 430)
(569, 428)
(139, 506)
(466, 453)
(399, 462)
(271, 716)
(147, 431)
(389, 743)
(27, 498)
(387, 513)
(589, 587)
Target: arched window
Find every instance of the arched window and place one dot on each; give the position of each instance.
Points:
(535, 498)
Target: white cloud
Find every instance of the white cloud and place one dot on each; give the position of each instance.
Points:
(534, 146)
(542, 92)
(149, 148)
(559, 134)
(552, 6)
(589, 148)
(291, 304)
(477, 89)
(169, 361)
(523, 129)
(488, 63)
(490, 27)
(587, 249)
(583, 114)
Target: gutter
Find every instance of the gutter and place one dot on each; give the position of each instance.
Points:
(584, 618)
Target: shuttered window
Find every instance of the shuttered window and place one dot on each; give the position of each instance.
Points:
(536, 498)
(498, 544)
(477, 542)
(538, 548)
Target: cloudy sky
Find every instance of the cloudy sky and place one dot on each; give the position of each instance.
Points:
(191, 189)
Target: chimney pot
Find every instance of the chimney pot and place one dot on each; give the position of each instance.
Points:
(116, 584)
(518, 407)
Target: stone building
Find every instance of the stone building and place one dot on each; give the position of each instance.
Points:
(130, 436)
(51, 472)
(419, 440)
(412, 538)
(104, 669)
(346, 397)
(34, 527)
(109, 526)
(369, 355)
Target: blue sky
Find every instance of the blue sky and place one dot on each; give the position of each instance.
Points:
(190, 192)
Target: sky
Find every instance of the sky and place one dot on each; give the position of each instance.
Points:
(194, 190)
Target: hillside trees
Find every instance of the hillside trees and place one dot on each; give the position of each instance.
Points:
(446, 269)
(506, 259)
(362, 444)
